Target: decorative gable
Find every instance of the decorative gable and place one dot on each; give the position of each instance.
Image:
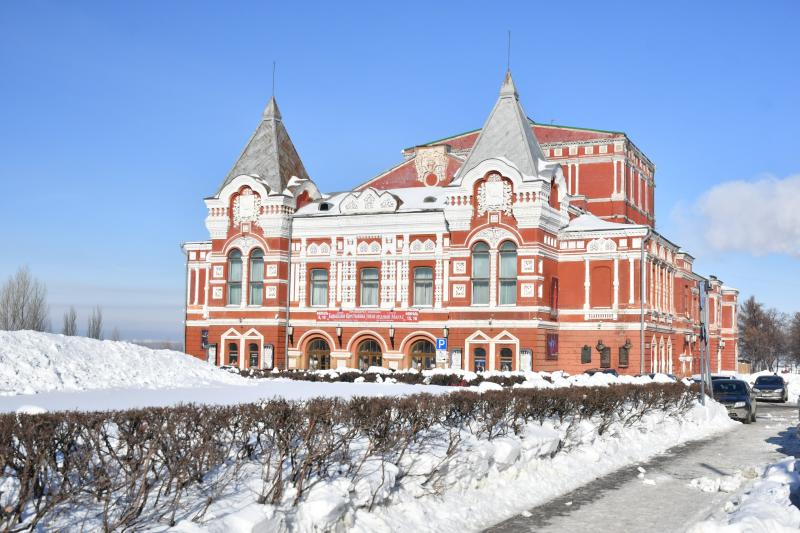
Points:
(369, 201)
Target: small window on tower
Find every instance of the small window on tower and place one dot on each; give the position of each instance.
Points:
(429, 199)
(324, 206)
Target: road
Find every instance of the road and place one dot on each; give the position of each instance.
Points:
(622, 501)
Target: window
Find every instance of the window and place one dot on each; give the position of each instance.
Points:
(369, 354)
(423, 286)
(480, 359)
(319, 287)
(252, 352)
(506, 359)
(423, 355)
(319, 355)
(369, 287)
(235, 278)
(508, 273)
(480, 274)
(233, 354)
(257, 277)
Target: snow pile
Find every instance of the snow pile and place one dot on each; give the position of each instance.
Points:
(766, 506)
(33, 362)
(513, 472)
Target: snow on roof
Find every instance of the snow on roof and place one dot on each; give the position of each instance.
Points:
(589, 222)
(411, 199)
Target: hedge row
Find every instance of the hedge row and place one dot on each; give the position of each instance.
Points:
(410, 378)
(126, 469)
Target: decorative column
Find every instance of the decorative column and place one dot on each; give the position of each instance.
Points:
(616, 283)
(245, 274)
(586, 284)
(196, 285)
(492, 277)
(630, 280)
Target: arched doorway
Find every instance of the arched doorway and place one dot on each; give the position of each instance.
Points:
(369, 354)
(479, 358)
(319, 355)
(252, 353)
(423, 355)
(506, 359)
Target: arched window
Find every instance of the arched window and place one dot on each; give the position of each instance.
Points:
(257, 277)
(319, 287)
(235, 277)
(252, 352)
(369, 287)
(506, 359)
(233, 354)
(480, 274)
(423, 355)
(508, 273)
(423, 286)
(369, 354)
(480, 359)
(319, 355)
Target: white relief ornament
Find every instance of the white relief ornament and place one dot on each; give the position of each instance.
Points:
(494, 194)
(272, 291)
(431, 165)
(494, 235)
(217, 293)
(272, 271)
(246, 207)
(528, 265)
(459, 290)
(244, 244)
(601, 245)
(528, 290)
(218, 271)
(459, 267)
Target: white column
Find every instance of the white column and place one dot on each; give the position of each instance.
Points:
(630, 280)
(622, 182)
(196, 285)
(245, 274)
(643, 281)
(188, 286)
(616, 283)
(205, 290)
(492, 278)
(586, 284)
(577, 178)
(615, 176)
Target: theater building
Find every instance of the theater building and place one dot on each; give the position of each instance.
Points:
(522, 245)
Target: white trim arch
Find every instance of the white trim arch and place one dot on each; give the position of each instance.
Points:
(311, 333)
(479, 337)
(238, 182)
(413, 336)
(368, 333)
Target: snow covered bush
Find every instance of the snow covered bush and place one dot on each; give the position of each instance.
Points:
(135, 468)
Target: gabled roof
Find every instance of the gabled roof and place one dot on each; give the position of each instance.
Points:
(507, 133)
(269, 154)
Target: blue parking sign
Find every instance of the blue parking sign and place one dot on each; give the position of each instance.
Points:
(441, 344)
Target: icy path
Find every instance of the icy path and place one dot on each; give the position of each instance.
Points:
(248, 391)
(661, 500)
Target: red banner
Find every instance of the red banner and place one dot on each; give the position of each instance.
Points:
(368, 315)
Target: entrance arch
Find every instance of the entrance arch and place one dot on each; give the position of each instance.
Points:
(422, 355)
(318, 354)
(369, 354)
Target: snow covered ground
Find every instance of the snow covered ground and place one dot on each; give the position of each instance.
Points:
(32, 362)
(486, 481)
(766, 506)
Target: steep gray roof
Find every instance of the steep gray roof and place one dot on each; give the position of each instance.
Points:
(507, 133)
(269, 154)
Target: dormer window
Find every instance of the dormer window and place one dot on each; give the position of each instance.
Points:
(429, 199)
(324, 206)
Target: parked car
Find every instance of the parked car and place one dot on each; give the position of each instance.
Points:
(593, 371)
(771, 388)
(737, 397)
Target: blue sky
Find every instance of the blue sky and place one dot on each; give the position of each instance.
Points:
(117, 119)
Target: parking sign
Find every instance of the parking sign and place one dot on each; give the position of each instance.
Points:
(441, 344)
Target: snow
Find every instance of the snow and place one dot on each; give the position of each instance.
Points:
(765, 506)
(513, 472)
(32, 362)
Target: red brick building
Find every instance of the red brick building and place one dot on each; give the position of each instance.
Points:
(524, 245)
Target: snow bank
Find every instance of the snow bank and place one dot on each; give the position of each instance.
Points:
(513, 472)
(766, 506)
(33, 362)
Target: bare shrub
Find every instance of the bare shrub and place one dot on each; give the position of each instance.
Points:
(23, 303)
(70, 322)
(94, 329)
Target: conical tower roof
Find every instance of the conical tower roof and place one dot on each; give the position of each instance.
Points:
(269, 154)
(507, 133)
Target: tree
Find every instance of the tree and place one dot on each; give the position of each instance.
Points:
(762, 334)
(793, 338)
(95, 328)
(23, 303)
(115, 334)
(70, 322)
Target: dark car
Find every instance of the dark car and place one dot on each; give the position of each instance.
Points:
(771, 388)
(737, 397)
(593, 371)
